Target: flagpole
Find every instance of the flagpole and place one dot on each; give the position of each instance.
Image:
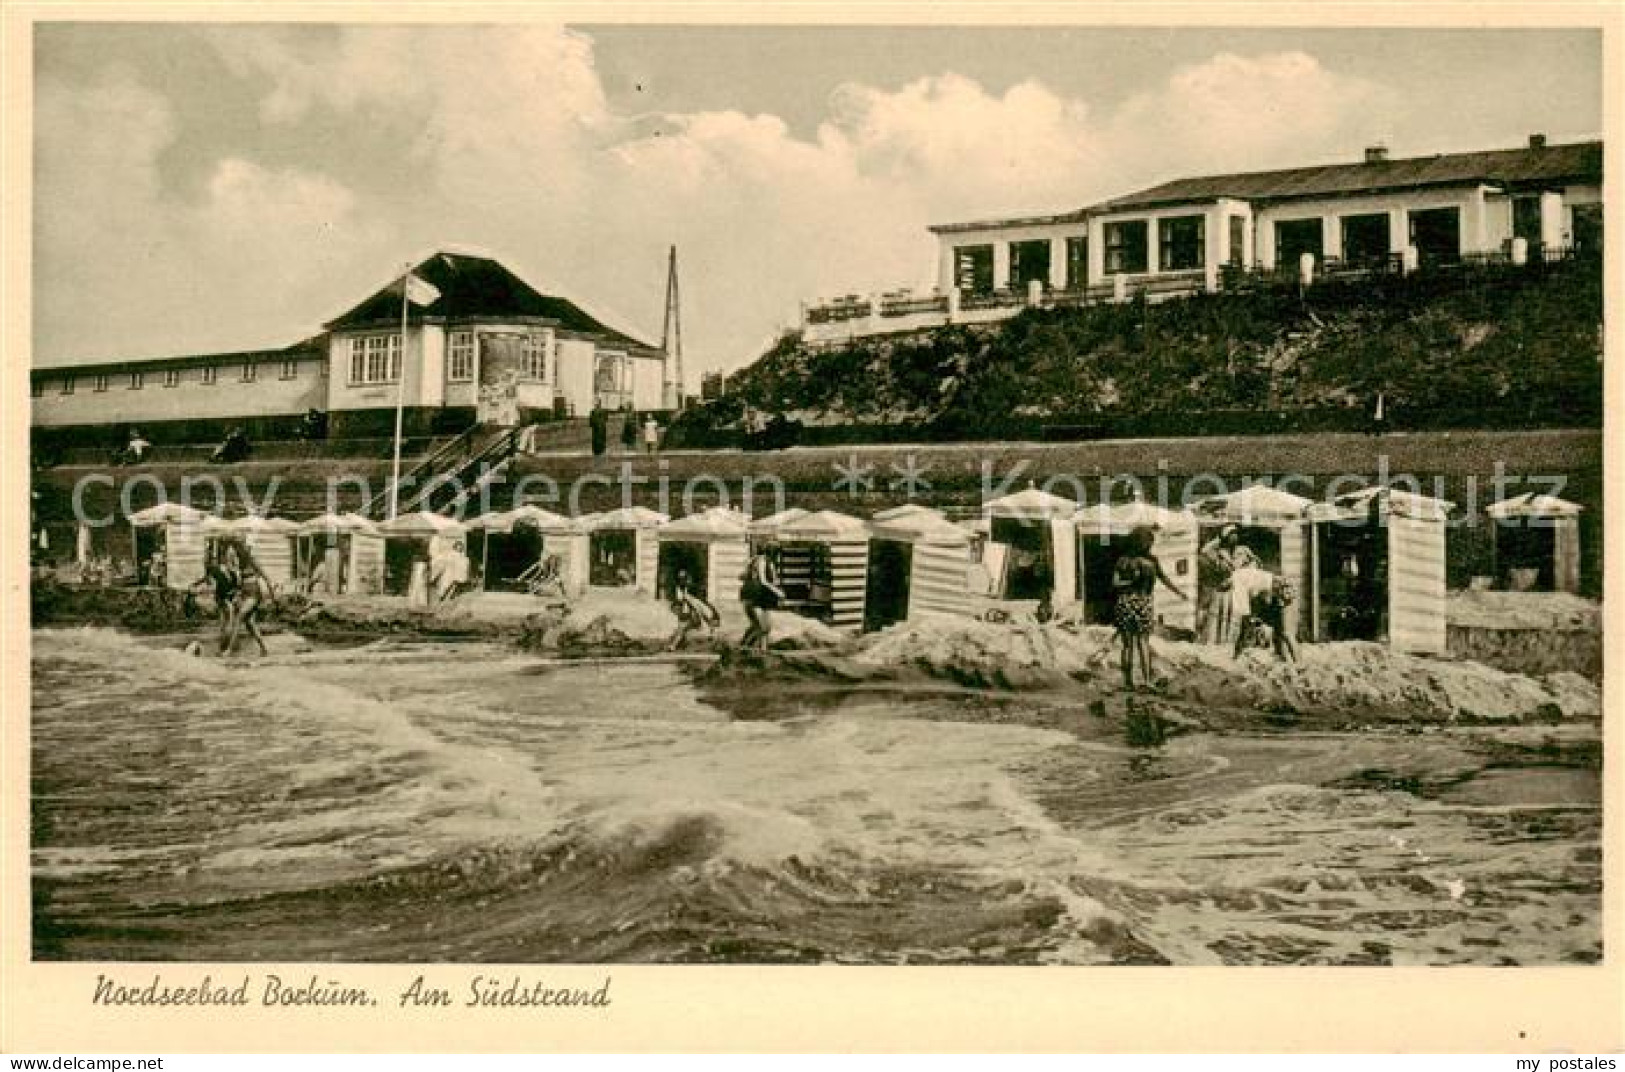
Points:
(400, 399)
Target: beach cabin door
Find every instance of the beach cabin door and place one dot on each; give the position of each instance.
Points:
(891, 562)
(500, 369)
(1416, 585)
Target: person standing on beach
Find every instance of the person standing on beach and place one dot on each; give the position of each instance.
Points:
(760, 593)
(253, 593)
(1217, 562)
(1134, 580)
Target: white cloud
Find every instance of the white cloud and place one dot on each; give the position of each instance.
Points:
(124, 267)
(517, 150)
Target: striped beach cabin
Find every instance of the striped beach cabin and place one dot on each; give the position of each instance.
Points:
(177, 531)
(1275, 526)
(823, 566)
(352, 549)
(273, 541)
(1100, 540)
(410, 543)
(623, 548)
(1537, 543)
(712, 547)
(919, 563)
(1380, 566)
(1040, 555)
(507, 543)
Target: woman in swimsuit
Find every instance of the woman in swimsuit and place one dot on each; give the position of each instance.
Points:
(253, 593)
(1134, 579)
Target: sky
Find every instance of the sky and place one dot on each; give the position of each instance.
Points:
(208, 188)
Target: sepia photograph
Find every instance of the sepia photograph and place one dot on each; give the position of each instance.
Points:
(614, 493)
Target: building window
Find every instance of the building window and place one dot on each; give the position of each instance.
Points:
(101, 381)
(37, 387)
(973, 269)
(1077, 262)
(1181, 243)
(251, 372)
(67, 385)
(1294, 238)
(1238, 241)
(460, 357)
(1125, 247)
(172, 377)
(209, 374)
(1365, 238)
(137, 380)
(1029, 261)
(1436, 234)
(290, 370)
(375, 359)
(1526, 220)
(533, 357)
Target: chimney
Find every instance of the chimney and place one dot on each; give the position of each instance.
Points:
(1376, 154)
(1537, 141)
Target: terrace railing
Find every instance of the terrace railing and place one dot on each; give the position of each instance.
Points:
(926, 311)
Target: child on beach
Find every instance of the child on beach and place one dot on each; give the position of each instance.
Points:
(1267, 610)
(692, 611)
(1134, 580)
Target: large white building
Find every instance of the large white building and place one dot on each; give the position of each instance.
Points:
(489, 349)
(1183, 236)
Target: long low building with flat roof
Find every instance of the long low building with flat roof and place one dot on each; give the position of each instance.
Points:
(1377, 214)
(489, 349)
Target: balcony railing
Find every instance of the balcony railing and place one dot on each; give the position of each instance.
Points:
(908, 311)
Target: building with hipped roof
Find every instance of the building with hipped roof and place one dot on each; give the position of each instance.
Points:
(489, 348)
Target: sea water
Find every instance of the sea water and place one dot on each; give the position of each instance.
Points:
(461, 802)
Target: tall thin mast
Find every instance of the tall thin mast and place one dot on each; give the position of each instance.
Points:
(671, 335)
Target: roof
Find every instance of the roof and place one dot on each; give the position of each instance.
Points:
(1533, 504)
(1388, 501)
(472, 286)
(1254, 504)
(628, 517)
(774, 522)
(337, 523)
(1122, 517)
(920, 525)
(421, 524)
(508, 520)
(824, 524)
(1030, 504)
(249, 524)
(166, 513)
(1014, 221)
(307, 349)
(1525, 167)
(715, 523)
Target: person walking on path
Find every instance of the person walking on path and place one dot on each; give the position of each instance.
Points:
(1134, 580)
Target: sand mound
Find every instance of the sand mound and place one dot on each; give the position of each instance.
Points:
(1353, 680)
(1523, 610)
